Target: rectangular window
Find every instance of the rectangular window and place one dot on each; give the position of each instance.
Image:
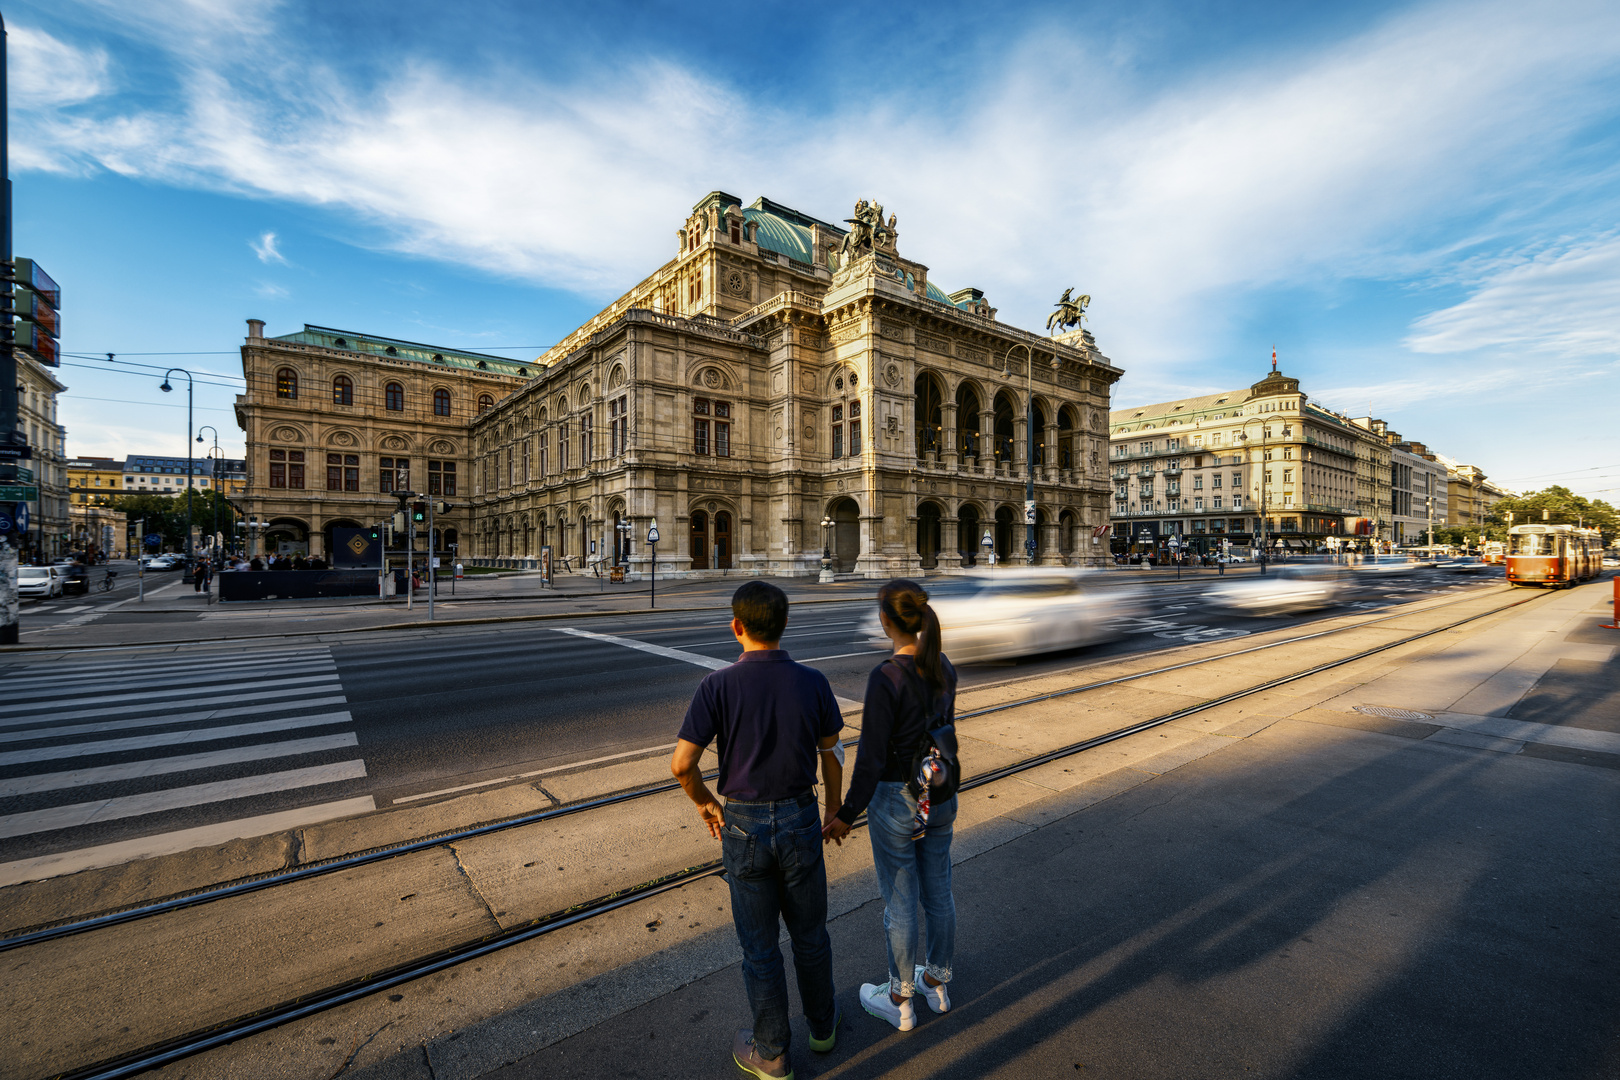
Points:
(441, 478)
(700, 436)
(1198, 483)
(1288, 453)
(1146, 448)
(1175, 504)
(393, 474)
(1198, 504)
(1288, 498)
(854, 429)
(1215, 503)
(616, 426)
(838, 431)
(1288, 476)
(528, 460)
(1237, 502)
(342, 472)
(1173, 444)
(1215, 481)
(584, 442)
(722, 429)
(544, 438)
(1237, 479)
(1215, 439)
(1198, 440)
(1268, 476)
(295, 469)
(562, 447)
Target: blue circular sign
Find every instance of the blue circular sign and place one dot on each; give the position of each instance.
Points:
(154, 541)
(5, 522)
(20, 513)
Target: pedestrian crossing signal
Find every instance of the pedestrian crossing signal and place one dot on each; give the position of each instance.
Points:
(419, 512)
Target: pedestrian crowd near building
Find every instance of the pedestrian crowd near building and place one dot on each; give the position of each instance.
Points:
(772, 721)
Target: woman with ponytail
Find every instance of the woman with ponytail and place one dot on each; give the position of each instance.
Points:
(911, 840)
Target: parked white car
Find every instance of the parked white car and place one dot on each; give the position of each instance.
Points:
(41, 581)
(990, 615)
(1283, 591)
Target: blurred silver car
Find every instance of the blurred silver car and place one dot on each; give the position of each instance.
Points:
(1466, 564)
(991, 615)
(1385, 566)
(1285, 590)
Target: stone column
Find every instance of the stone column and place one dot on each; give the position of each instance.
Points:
(949, 560)
(987, 441)
(1049, 554)
(1054, 458)
(948, 453)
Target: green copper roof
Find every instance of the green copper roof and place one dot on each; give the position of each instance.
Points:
(395, 348)
(781, 235)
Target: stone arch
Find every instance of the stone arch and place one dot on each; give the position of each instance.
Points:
(616, 377)
(290, 433)
(442, 446)
(1040, 412)
(929, 516)
(1006, 519)
(969, 531)
(285, 535)
(1068, 427)
(851, 380)
(395, 442)
(346, 438)
(928, 412)
(1001, 437)
(969, 409)
(1068, 528)
(845, 514)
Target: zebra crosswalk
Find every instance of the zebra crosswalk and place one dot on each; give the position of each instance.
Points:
(165, 753)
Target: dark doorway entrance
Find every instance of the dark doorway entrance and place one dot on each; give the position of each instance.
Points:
(846, 518)
(928, 515)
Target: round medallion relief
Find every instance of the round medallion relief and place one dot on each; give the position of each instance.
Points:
(734, 282)
(394, 442)
(778, 434)
(343, 438)
(711, 379)
(712, 506)
(287, 434)
(809, 431)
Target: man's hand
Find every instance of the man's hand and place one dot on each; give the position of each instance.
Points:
(835, 829)
(713, 816)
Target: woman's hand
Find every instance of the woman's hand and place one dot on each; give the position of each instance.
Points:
(835, 830)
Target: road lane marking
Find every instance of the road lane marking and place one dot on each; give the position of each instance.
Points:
(178, 691)
(536, 772)
(675, 654)
(170, 660)
(169, 843)
(134, 770)
(77, 815)
(199, 680)
(169, 738)
(155, 721)
(329, 683)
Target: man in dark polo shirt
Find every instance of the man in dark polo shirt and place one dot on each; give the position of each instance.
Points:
(770, 720)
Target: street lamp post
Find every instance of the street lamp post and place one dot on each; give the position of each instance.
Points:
(213, 472)
(1029, 450)
(190, 388)
(989, 545)
(652, 579)
(827, 575)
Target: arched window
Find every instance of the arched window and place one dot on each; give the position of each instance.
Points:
(343, 390)
(441, 402)
(1004, 427)
(394, 395)
(930, 415)
(846, 416)
(286, 383)
(967, 421)
(485, 403)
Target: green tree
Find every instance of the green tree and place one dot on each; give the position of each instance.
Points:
(165, 515)
(1555, 506)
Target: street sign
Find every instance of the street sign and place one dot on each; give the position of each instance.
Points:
(24, 476)
(6, 524)
(16, 452)
(20, 514)
(18, 493)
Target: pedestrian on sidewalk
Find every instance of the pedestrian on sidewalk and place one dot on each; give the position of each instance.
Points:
(199, 576)
(911, 839)
(770, 720)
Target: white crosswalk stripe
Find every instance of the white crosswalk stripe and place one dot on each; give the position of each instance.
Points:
(139, 712)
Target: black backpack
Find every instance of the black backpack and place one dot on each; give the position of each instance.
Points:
(938, 740)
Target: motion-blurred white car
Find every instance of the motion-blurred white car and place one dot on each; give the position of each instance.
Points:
(990, 615)
(1281, 592)
(1466, 564)
(1385, 566)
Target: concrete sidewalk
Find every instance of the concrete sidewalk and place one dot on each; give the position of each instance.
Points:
(1339, 894)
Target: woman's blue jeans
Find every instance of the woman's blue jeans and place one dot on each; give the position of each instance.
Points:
(775, 868)
(913, 874)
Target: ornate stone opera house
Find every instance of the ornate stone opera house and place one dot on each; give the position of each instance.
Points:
(777, 374)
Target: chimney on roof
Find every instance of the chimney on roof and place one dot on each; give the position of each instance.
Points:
(255, 329)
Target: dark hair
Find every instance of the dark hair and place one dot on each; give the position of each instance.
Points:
(762, 609)
(906, 605)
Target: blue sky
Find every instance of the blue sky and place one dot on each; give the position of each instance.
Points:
(1415, 203)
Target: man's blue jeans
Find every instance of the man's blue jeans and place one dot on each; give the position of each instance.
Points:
(913, 873)
(775, 868)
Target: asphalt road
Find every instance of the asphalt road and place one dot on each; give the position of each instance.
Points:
(103, 747)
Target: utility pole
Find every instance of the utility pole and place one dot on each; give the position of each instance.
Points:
(8, 367)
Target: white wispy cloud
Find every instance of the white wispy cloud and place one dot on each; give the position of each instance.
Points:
(265, 248)
(1166, 203)
(1561, 302)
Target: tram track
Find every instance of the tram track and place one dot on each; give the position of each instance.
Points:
(350, 990)
(104, 920)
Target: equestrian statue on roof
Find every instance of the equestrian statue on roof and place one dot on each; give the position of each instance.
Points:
(1069, 311)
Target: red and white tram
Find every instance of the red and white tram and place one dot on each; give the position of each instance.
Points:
(1555, 555)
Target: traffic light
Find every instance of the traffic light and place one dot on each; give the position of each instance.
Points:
(399, 522)
(34, 303)
(442, 508)
(376, 533)
(419, 512)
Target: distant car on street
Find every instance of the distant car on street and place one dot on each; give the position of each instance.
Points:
(1466, 564)
(42, 582)
(162, 562)
(1284, 591)
(1385, 566)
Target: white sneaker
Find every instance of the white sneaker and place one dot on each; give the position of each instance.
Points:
(876, 1000)
(938, 998)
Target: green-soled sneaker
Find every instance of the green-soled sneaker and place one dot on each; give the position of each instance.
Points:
(823, 1046)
